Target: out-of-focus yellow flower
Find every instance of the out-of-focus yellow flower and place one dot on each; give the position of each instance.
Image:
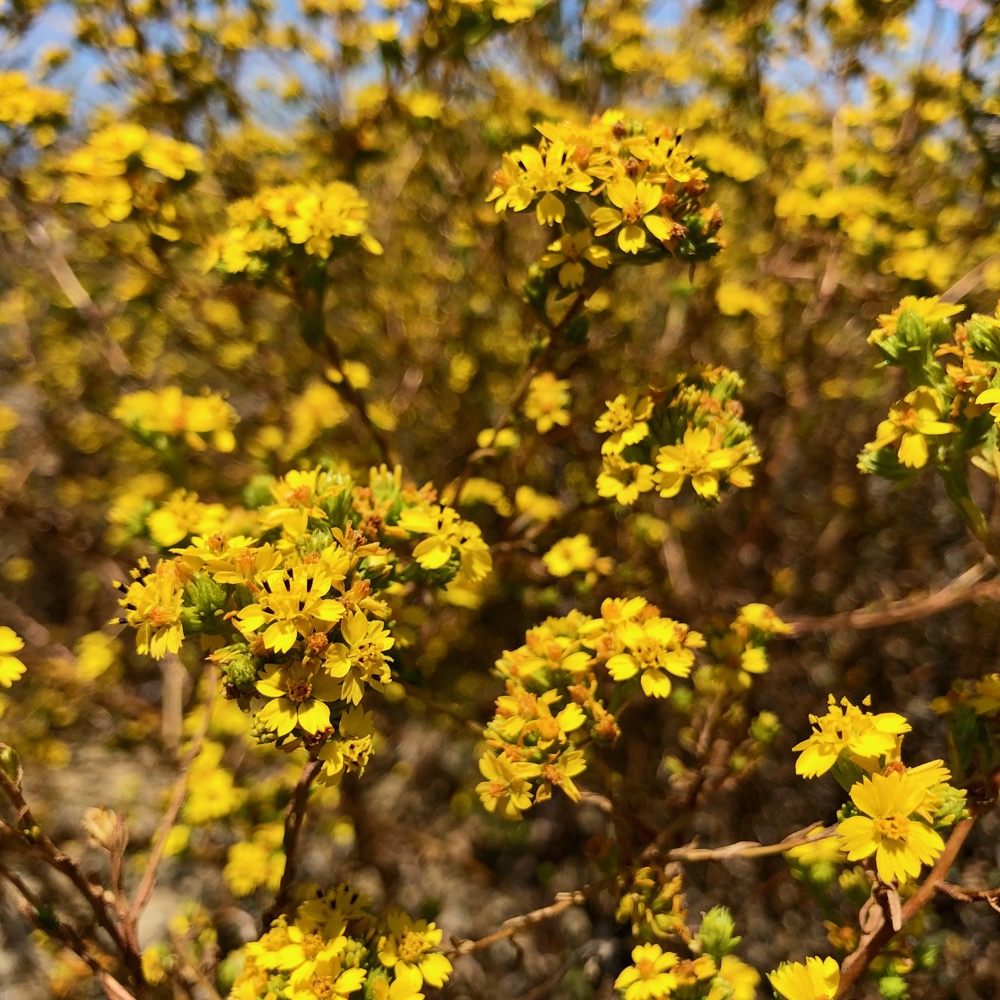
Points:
(546, 403)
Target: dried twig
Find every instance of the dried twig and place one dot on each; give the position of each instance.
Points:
(177, 797)
(750, 848)
(31, 907)
(563, 901)
(970, 586)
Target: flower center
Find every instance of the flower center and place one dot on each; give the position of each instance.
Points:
(411, 947)
(631, 214)
(895, 827)
(299, 689)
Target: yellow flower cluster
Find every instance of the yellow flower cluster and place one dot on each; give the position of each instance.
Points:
(293, 611)
(23, 105)
(619, 189)
(712, 971)
(558, 685)
(156, 415)
(895, 808)
(560, 682)
(951, 411)
(306, 219)
(692, 432)
(336, 948)
(125, 167)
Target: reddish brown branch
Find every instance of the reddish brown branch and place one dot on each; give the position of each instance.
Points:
(968, 587)
(295, 817)
(880, 927)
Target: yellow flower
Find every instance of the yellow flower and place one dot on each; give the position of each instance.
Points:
(152, 604)
(656, 647)
(901, 843)
(568, 254)
(649, 976)
(696, 458)
(818, 979)
(448, 535)
(361, 658)
(634, 202)
(506, 789)
(11, 668)
(740, 981)
(547, 400)
(625, 420)
(574, 555)
(298, 698)
(910, 422)
(930, 310)
(409, 944)
(406, 985)
(291, 604)
(851, 731)
(624, 480)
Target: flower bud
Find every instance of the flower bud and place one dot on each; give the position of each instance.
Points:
(716, 933)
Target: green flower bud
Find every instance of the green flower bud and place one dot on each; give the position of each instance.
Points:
(257, 492)
(239, 665)
(10, 764)
(952, 807)
(984, 337)
(893, 988)
(765, 727)
(716, 933)
(208, 599)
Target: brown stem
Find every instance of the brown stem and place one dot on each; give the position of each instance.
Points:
(38, 841)
(31, 907)
(750, 848)
(177, 797)
(563, 901)
(881, 929)
(970, 586)
(295, 817)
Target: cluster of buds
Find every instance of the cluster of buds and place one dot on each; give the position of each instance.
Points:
(292, 607)
(691, 432)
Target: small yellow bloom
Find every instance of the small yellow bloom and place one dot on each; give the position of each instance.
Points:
(889, 829)
(847, 730)
(547, 400)
(910, 422)
(649, 977)
(11, 668)
(818, 979)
